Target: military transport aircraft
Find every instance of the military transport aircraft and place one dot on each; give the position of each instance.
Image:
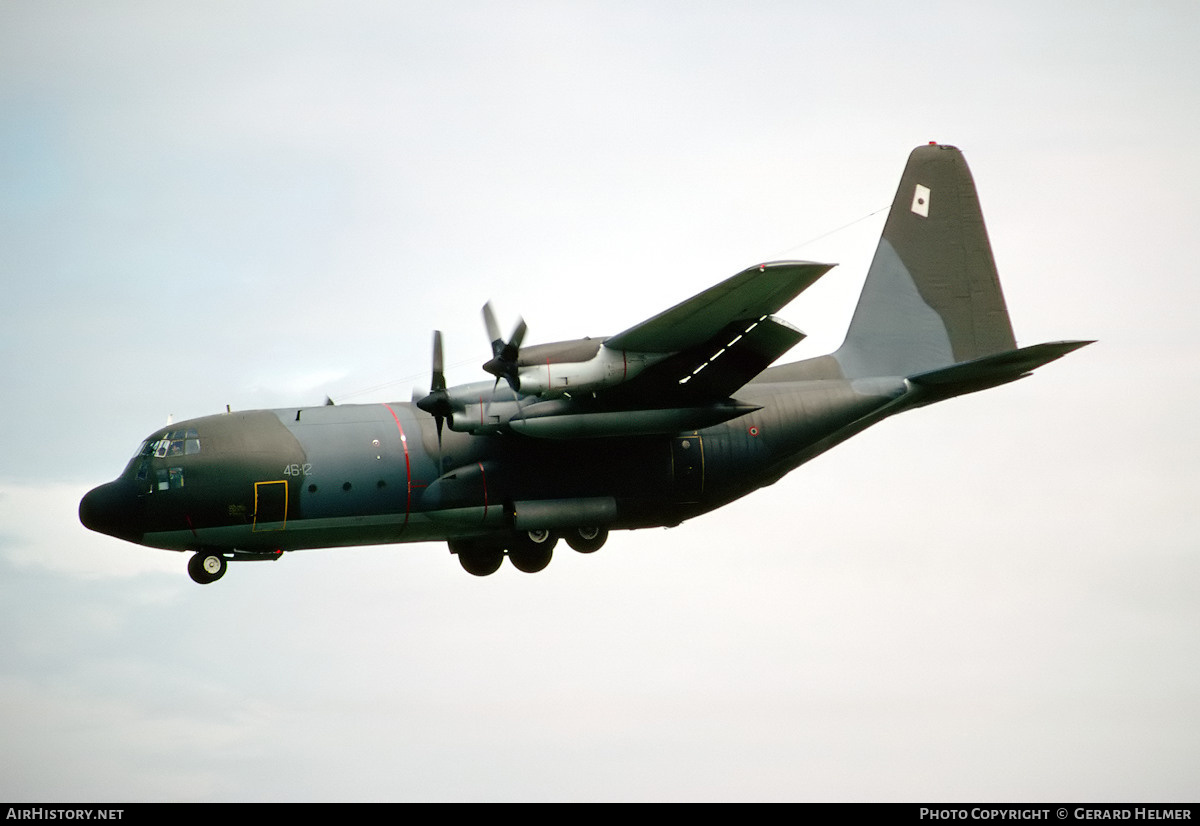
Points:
(665, 421)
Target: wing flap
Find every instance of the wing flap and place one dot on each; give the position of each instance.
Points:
(712, 370)
(751, 294)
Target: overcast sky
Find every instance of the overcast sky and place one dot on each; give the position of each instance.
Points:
(258, 204)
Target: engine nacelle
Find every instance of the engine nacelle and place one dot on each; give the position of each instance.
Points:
(552, 378)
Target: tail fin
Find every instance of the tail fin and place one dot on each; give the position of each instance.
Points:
(932, 297)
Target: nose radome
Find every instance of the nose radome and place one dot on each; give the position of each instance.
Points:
(112, 509)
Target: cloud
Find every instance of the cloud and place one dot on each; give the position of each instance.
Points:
(41, 530)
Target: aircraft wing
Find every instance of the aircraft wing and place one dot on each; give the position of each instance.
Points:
(688, 390)
(708, 347)
(751, 294)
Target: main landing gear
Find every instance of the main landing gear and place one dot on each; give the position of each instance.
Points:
(528, 551)
(586, 540)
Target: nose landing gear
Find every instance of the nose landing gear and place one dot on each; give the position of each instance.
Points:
(207, 566)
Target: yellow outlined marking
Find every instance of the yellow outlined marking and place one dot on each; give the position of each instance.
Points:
(257, 512)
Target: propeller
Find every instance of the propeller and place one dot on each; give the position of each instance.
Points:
(503, 363)
(437, 403)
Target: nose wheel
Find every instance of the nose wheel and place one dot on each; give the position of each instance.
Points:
(206, 566)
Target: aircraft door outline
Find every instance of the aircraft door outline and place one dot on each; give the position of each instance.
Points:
(270, 505)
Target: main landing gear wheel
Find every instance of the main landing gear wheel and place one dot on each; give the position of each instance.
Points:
(207, 566)
(478, 560)
(531, 552)
(586, 540)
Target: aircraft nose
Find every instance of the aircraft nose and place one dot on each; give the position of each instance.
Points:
(112, 509)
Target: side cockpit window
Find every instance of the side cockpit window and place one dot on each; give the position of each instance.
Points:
(169, 478)
(183, 442)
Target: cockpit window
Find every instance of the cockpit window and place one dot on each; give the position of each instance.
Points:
(172, 443)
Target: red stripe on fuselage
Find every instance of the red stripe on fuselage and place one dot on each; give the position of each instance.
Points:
(483, 476)
(407, 464)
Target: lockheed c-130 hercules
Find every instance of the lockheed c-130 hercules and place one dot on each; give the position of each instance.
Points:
(665, 421)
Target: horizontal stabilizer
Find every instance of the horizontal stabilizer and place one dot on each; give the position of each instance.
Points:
(994, 370)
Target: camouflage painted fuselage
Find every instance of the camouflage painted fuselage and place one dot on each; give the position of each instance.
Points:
(295, 478)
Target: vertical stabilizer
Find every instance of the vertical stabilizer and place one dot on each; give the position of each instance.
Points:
(932, 297)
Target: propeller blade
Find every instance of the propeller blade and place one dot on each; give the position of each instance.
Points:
(503, 363)
(439, 377)
(493, 329)
(514, 341)
(437, 403)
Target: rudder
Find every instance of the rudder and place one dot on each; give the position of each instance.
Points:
(932, 297)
